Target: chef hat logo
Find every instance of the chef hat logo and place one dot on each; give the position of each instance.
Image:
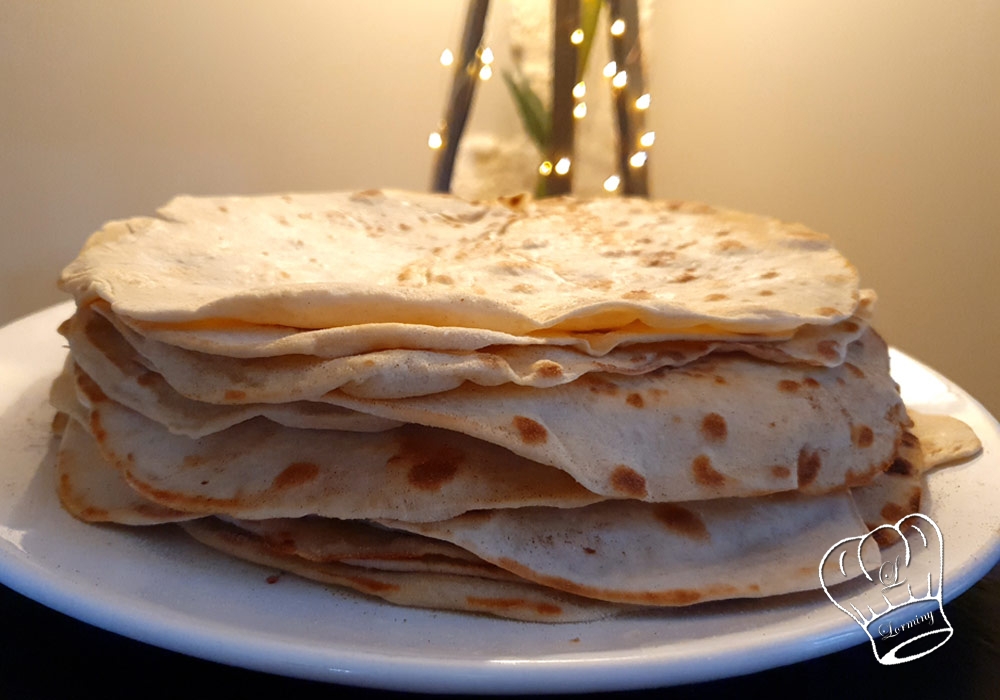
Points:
(901, 610)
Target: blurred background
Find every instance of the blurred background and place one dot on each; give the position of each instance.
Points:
(875, 121)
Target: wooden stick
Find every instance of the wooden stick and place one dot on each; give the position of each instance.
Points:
(564, 59)
(463, 89)
(627, 53)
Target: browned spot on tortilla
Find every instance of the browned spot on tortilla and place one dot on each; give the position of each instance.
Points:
(637, 295)
(681, 520)
(602, 285)
(634, 400)
(828, 349)
(729, 245)
(885, 538)
(908, 439)
(403, 226)
(522, 288)
(716, 297)
(914, 500)
(855, 370)
(235, 395)
(659, 259)
(372, 585)
(90, 388)
(862, 435)
(848, 326)
(96, 429)
(93, 514)
(365, 194)
(510, 603)
(893, 512)
(788, 386)
(754, 587)
(770, 275)
(901, 466)
(826, 311)
(720, 379)
(224, 209)
(439, 468)
(714, 428)
(589, 550)
(597, 385)
(779, 472)
(704, 473)
(686, 277)
(765, 293)
(193, 460)
(549, 369)
(147, 378)
(532, 432)
(628, 481)
(810, 382)
(808, 467)
(295, 474)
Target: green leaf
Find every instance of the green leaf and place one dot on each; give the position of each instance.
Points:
(590, 12)
(536, 119)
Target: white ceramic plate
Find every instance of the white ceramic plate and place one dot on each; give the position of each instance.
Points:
(157, 586)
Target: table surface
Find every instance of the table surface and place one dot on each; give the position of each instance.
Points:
(46, 654)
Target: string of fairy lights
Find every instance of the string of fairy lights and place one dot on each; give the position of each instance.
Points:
(480, 67)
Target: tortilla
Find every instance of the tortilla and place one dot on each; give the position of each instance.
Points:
(687, 433)
(517, 600)
(311, 261)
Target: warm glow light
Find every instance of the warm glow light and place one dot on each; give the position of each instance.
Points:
(610, 69)
(562, 167)
(545, 169)
(580, 111)
(638, 159)
(435, 141)
(486, 72)
(647, 139)
(486, 56)
(642, 101)
(620, 79)
(612, 183)
(447, 57)
(576, 37)
(618, 27)
(579, 90)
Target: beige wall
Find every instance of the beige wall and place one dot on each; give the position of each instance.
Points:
(876, 121)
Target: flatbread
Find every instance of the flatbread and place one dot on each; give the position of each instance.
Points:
(259, 469)
(682, 434)
(660, 554)
(400, 373)
(516, 600)
(312, 261)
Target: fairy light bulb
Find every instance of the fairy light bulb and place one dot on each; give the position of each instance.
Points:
(545, 169)
(576, 38)
(642, 101)
(620, 79)
(562, 166)
(579, 90)
(486, 56)
(638, 159)
(435, 140)
(612, 183)
(486, 72)
(647, 139)
(610, 69)
(618, 27)
(580, 111)
(447, 57)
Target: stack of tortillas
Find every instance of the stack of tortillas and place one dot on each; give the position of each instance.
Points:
(552, 410)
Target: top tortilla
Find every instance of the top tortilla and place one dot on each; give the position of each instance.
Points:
(312, 261)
